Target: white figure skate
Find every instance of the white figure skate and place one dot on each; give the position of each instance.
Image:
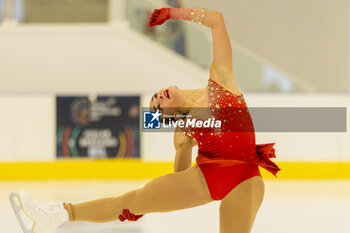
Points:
(46, 217)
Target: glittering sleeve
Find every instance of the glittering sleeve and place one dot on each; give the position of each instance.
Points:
(193, 15)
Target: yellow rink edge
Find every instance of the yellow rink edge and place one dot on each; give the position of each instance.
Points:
(136, 169)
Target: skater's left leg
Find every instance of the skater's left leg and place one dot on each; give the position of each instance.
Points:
(167, 193)
(239, 208)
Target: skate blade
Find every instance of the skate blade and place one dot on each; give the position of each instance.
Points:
(17, 209)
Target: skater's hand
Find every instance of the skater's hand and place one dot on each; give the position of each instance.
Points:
(129, 216)
(159, 16)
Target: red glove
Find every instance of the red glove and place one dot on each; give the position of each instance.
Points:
(159, 16)
(129, 216)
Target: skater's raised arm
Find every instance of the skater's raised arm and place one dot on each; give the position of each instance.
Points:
(183, 146)
(222, 51)
(221, 68)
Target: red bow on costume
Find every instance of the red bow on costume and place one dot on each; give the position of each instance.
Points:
(129, 216)
(262, 158)
(265, 152)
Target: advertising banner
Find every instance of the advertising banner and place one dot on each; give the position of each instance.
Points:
(105, 127)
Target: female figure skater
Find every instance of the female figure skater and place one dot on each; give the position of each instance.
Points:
(227, 162)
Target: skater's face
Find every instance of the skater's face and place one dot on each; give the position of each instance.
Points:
(167, 100)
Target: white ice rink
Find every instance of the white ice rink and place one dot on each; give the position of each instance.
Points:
(288, 207)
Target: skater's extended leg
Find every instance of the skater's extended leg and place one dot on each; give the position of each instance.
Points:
(167, 193)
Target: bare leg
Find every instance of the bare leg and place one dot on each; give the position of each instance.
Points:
(167, 193)
(239, 208)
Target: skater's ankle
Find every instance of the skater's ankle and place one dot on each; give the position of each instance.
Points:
(68, 207)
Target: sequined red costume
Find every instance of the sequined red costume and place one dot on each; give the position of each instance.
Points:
(229, 156)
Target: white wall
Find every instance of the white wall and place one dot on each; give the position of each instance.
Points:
(27, 127)
(88, 59)
(305, 146)
(27, 124)
(309, 39)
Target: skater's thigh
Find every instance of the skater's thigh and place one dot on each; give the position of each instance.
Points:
(239, 208)
(187, 187)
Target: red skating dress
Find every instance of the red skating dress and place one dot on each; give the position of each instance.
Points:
(229, 156)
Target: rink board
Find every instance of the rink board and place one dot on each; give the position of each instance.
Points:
(134, 169)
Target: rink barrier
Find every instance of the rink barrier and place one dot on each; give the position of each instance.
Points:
(135, 169)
